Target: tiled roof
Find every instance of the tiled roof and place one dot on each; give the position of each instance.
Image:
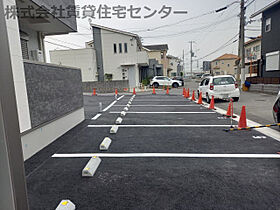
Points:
(156, 47)
(227, 57)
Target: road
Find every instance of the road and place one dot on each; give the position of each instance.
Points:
(163, 125)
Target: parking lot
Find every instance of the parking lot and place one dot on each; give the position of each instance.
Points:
(168, 153)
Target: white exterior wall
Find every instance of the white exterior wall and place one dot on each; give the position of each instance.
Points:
(38, 139)
(18, 71)
(257, 54)
(85, 59)
(114, 63)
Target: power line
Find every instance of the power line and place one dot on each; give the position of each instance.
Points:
(65, 42)
(60, 45)
(185, 20)
(228, 43)
(192, 30)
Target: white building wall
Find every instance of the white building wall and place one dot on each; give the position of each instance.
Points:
(18, 71)
(85, 59)
(115, 63)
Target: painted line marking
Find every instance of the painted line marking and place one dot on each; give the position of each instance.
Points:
(158, 126)
(108, 107)
(120, 98)
(266, 131)
(162, 105)
(165, 155)
(165, 112)
(96, 117)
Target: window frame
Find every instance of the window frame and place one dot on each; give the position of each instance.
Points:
(120, 48)
(125, 48)
(268, 24)
(115, 48)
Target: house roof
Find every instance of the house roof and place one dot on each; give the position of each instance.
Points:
(118, 31)
(227, 57)
(253, 40)
(269, 6)
(158, 47)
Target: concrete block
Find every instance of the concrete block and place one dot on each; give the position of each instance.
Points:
(125, 109)
(129, 102)
(104, 146)
(128, 105)
(123, 113)
(66, 205)
(119, 121)
(114, 129)
(91, 167)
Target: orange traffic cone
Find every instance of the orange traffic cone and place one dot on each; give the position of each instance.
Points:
(134, 92)
(154, 91)
(193, 96)
(116, 91)
(229, 110)
(212, 104)
(184, 92)
(243, 121)
(94, 92)
(188, 93)
(200, 98)
(167, 90)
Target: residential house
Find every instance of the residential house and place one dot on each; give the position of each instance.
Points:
(253, 56)
(119, 55)
(84, 58)
(225, 64)
(49, 97)
(270, 50)
(159, 53)
(173, 66)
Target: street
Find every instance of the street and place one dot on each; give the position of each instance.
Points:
(175, 146)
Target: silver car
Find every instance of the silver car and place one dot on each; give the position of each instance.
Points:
(276, 109)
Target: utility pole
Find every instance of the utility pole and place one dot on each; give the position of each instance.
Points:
(241, 50)
(192, 54)
(184, 73)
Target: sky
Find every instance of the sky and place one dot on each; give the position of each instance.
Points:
(209, 32)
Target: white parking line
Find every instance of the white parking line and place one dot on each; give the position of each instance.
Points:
(120, 98)
(266, 131)
(108, 107)
(165, 155)
(160, 101)
(149, 105)
(159, 126)
(165, 112)
(96, 116)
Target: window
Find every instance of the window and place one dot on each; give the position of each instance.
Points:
(202, 82)
(125, 47)
(206, 82)
(162, 55)
(120, 48)
(160, 78)
(257, 48)
(268, 25)
(24, 48)
(273, 61)
(248, 52)
(115, 48)
(223, 81)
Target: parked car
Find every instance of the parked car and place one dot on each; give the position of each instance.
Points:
(276, 109)
(205, 75)
(180, 79)
(165, 81)
(221, 87)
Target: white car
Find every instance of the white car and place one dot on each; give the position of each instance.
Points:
(221, 87)
(165, 81)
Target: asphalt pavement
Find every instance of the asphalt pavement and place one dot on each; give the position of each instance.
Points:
(157, 125)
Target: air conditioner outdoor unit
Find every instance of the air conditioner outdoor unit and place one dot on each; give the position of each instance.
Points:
(37, 55)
